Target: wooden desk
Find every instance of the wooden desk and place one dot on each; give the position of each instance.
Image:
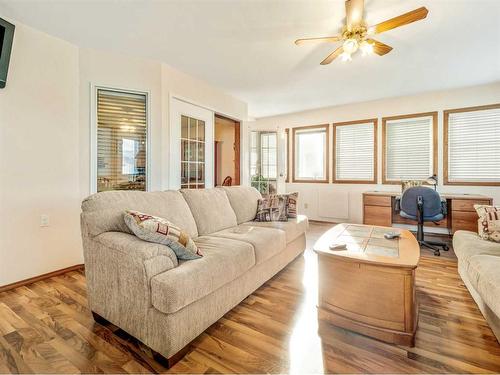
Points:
(379, 209)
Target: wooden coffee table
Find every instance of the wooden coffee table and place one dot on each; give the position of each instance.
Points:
(370, 287)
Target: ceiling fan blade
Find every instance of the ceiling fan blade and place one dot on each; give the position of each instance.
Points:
(354, 10)
(330, 39)
(404, 19)
(332, 56)
(379, 48)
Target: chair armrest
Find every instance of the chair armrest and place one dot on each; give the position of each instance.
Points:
(444, 206)
(397, 203)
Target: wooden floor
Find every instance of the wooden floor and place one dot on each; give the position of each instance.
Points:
(47, 328)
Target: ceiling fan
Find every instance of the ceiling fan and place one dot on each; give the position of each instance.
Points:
(357, 35)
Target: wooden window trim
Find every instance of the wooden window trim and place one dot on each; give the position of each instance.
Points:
(326, 180)
(434, 116)
(375, 153)
(446, 117)
(287, 136)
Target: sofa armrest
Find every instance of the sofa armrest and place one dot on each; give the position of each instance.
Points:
(132, 246)
(119, 267)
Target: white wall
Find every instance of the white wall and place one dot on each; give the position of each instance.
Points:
(110, 70)
(314, 196)
(182, 86)
(45, 141)
(39, 157)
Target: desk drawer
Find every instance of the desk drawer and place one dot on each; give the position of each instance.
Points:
(377, 200)
(377, 215)
(466, 204)
(463, 220)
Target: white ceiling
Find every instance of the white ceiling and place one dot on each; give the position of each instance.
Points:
(246, 48)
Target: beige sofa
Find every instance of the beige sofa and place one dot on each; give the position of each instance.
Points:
(142, 288)
(479, 267)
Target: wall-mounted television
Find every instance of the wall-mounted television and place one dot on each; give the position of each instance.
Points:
(6, 38)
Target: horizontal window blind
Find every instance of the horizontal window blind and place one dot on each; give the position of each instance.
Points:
(409, 149)
(121, 141)
(310, 154)
(354, 152)
(474, 146)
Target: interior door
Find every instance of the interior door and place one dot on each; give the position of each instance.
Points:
(191, 146)
(266, 169)
(282, 159)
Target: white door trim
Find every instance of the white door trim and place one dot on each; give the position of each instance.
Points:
(178, 107)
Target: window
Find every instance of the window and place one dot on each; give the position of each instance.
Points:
(121, 140)
(409, 145)
(310, 147)
(472, 146)
(268, 155)
(355, 150)
(192, 153)
(263, 161)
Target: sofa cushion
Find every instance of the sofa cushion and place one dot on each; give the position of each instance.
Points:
(489, 222)
(158, 230)
(103, 212)
(272, 208)
(266, 242)
(211, 209)
(291, 204)
(243, 200)
(224, 260)
(293, 228)
(484, 276)
(467, 244)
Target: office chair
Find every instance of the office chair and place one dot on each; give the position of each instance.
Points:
(423, 204)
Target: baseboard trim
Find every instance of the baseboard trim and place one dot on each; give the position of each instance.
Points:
(34, 279)
(323, 222)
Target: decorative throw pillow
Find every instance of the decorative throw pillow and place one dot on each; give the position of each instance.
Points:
(410, 183)
(489, 222)
(156, 229)
(291, 205)
(272, 208)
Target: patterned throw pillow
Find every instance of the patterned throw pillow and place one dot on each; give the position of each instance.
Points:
(272, 208)
(156, 229)
(291, 205)
(489, 222)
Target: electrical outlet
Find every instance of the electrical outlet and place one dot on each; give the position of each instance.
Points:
(44, 220)
(306, 205)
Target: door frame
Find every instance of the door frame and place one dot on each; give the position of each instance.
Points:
(174, 161)
(237, 147)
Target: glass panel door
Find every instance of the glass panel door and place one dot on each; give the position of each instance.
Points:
(264, 161)
(192, 153)
(191, 156)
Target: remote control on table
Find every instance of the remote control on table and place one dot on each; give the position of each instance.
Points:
(392, 235)
(338, 246)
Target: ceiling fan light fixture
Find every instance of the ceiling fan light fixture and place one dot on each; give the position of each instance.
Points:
(345, 56)
(350, 46)
(366, 48)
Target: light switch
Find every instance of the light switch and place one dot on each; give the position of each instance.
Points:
(44, 220)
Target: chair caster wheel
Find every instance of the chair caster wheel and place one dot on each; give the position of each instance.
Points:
(437, 253)
(446, 248)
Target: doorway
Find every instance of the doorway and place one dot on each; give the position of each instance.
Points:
(226, 151)
(191, 146)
